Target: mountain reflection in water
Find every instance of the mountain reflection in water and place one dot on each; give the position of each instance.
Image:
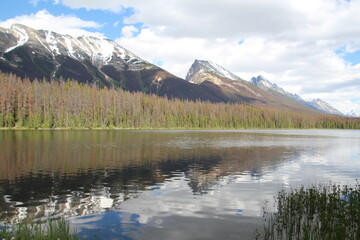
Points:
(137, 181)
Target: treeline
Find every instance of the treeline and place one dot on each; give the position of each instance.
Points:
(69, 104)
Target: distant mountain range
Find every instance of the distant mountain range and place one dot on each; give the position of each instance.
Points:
(317, 104)
(353, 114)
(42, 54)
(220, 79)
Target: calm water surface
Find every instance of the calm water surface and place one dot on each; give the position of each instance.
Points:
(164, 184)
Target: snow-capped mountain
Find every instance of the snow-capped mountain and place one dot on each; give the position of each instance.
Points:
(265, 85)
(40, 54)
(353, 114)
(272, 88)
(98, 51)
(218, 79)
(201, 66)
(268, 86)
(324, 107)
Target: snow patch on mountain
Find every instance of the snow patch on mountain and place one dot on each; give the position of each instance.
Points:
(52, 42)
(107, 50)
(69, 47)
(37, 38)
(221, 71)
(22, 37)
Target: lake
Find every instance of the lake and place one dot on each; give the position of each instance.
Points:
(171, 184)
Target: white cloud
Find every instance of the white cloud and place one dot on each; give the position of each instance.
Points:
(352, 46)
(109, 5)
(62, 24)
(129, 31)
(35, 2)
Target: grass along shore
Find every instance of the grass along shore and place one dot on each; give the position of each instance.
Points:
(53, 229)
(154, 128)
(330, 212)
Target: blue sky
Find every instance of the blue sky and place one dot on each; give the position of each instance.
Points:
(111, 22)
(352, 57)
(308, 47)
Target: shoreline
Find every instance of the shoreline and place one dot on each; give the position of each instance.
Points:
(184, 128)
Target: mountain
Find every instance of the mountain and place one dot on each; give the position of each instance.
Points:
(274, 89)
(42, 54)
(324, 107)
(201, 66)
(38, 54)
(353, 114)
(265, 85)
(219, 79)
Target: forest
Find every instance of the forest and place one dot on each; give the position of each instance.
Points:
(70, 104)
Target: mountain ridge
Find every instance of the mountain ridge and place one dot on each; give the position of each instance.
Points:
(43, 54)
(273, 88)
(203, 71)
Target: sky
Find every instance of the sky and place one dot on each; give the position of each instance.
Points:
(308, 47)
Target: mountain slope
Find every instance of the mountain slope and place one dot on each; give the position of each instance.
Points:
(213, 76)
(274, 89)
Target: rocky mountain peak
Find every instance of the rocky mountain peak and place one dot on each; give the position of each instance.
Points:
(273, 88)
(266, 85)
(201, 66)
(99, 51)
(324, 107)
(256, 80)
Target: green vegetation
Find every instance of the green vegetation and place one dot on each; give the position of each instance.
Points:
(58, 229)
(69, 104)
(320, 212)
